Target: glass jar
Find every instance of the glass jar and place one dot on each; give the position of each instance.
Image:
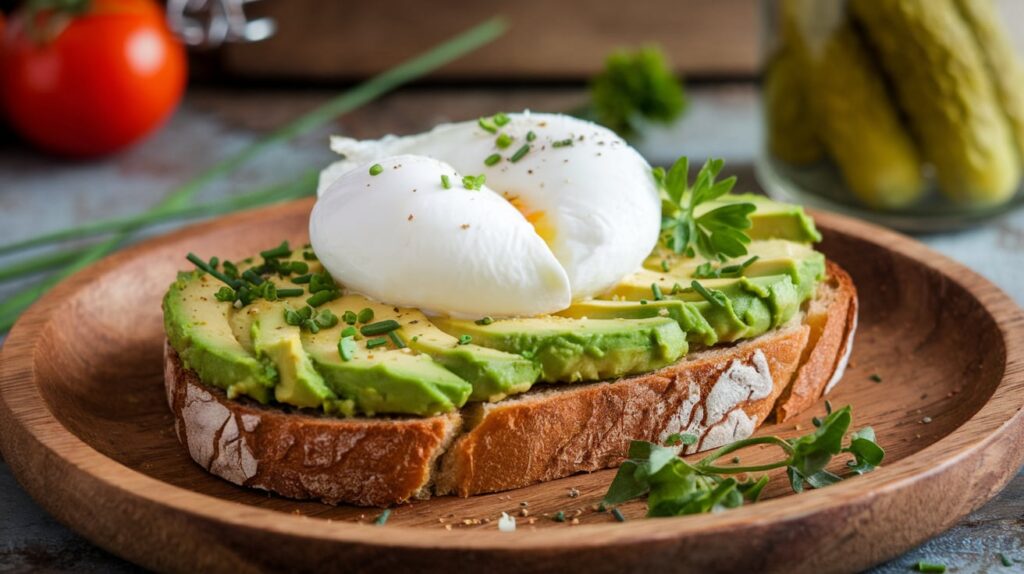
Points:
(906, 112)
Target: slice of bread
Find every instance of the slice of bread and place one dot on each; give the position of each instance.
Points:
(720, 394)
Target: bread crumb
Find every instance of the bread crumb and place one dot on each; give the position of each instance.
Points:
(574, 521)
(524, 512)
(447, 526)
(926, 420)
(574, 492)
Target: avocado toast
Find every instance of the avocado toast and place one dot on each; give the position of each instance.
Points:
(522, 400)
(447, 332)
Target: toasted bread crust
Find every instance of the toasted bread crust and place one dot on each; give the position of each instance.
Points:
(366, 462)
(720, 395)
(828, 346)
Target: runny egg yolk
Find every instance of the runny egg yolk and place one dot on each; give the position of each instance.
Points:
(538, 219)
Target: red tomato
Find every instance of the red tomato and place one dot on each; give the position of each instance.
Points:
(95, 83)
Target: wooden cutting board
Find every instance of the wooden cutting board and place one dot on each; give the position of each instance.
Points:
(85, 428)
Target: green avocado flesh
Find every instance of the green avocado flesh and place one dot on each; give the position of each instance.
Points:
(406, 363)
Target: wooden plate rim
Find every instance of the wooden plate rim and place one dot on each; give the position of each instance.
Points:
(21, 421)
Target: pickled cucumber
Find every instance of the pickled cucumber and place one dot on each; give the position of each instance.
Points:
(1002, 63)
(939, 75)
(861, 126)
(790, 127)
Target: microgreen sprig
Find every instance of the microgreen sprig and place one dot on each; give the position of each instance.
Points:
(716, 234)
(676, 487)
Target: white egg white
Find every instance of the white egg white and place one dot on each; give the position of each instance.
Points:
(588, 193)
(402, 238)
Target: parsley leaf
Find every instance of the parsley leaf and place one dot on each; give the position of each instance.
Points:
(719, 233)
(676, 487)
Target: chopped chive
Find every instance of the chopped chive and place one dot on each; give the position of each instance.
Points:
(816, 422)
(501, 119)
(875, 377)
(292, 317)
(252, 277)
(643, 301)
(828, 407)
(376, 342)
(349, 317)
(656, 290)
(382, 518)
(713, 297)
(321, 297)
(326, 319)
(376, 169)
(380, 327)
(530, 136)
(664, 265)
(276, 253)
(503, 141)
(290, 292)
(309, 256)
(559, 516)
(474, 183)
(226, 294)
(445, 182)
(484, 321)
(522, 151)
(465, 339)
(602, 508)
(299, 267)
(562, 143)
(618, 515)
(676, 288)
(214, 262)
(204, 266)
(487, 124)
(923, 566)
(492, 159)
(302, 279)
(365, 316)
(1005, 560)
(398, 342)
(349, 331)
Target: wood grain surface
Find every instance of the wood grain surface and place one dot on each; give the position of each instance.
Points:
(85, 428)
(563, 40)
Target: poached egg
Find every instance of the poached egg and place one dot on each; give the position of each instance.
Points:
(567, 210)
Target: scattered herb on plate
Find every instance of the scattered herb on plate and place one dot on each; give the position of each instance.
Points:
(675, 487)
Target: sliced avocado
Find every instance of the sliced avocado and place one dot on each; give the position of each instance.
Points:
(198, 328)
(384, 379)
(494, 374)
(275, 340)
(800, 262)
(691, 321)
(570, 350)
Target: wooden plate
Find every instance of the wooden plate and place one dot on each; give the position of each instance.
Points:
(85, 428)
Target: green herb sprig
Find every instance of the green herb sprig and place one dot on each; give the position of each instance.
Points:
(717, 234)
(676, 487)
(636, 87)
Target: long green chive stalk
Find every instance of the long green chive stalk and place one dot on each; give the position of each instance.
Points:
(39, 264)
(363, 93)
(304, 186)
(293, 188)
